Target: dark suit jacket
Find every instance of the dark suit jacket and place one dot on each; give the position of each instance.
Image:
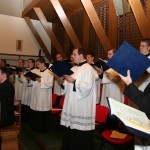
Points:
(141, 99)
(7, 103)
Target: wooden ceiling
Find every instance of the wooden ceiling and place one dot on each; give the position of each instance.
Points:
(69, 6)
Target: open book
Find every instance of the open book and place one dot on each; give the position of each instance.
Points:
(136, 121)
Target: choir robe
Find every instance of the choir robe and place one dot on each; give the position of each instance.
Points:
(18, 87)
(57, 88)
(112, 90)
(27, 89)
(80, 99)
(41, 98)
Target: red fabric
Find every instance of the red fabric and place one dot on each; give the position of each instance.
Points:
(106, 135)
(102, 113)
(126, 100)
(61, 101)
(54, 97)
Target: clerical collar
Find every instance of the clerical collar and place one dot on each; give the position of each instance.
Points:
(43, 70)
(147, 55)
(82, 63)
(32, 68)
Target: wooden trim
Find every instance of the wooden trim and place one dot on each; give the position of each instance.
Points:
(140, 17)
(49, 31)
(30, 7)
(85, 34)
(113, 25)
(37, 37)
(65, 22)
(148, 11)
(97, 25)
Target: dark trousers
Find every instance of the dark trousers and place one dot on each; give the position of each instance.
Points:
(76, 139)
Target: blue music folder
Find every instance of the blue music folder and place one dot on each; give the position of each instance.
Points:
(129, 58)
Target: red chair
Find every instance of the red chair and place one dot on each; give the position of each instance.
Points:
(102, 113)
(116, 143)
(58, 109)
(54, 98)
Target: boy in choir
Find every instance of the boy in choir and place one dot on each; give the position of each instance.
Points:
(27, 89)
(78, 115)
(3, 63)
(6, 99)
(57, 87)
(90, 60)
(142, 100)
(41, 98)
(18, 81)
(110, 89)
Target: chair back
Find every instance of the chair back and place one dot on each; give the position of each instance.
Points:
(102, 113)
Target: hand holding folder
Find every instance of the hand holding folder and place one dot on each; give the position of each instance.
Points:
(61, 68)
(129, 58)
(32, 76)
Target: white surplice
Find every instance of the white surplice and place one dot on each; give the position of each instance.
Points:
(79, 105)
(41, 98)
(27, 89)
(112, 90)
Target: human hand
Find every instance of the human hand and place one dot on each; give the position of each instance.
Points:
(69, 78)
(99, 70)
(126, 79)
(148, 70)
(38, 79)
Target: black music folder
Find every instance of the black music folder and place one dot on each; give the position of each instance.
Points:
(61, 68)
(32, 76)
(129, 58)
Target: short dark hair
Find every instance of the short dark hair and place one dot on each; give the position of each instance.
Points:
(81, 51)
(41, 60)
(5, 71)
(91, 54)
(3, 60)
(33, 61)
(146, 40)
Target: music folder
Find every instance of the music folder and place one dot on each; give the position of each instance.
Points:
(32, 76)
(60, 68)
(129, 58)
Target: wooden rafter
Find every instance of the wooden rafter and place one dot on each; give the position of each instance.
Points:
(140, 17)
(97, 25)
(37, 37)
(49, 31)
(113, 25)
(67, 25)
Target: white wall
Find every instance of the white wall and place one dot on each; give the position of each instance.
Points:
(15, 28)
(11, 7)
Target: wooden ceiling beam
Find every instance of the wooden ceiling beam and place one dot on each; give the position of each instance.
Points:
(97, 25)
(49, 31)
(37, 37)
(65, 21)
(140, 17)
(112, 25)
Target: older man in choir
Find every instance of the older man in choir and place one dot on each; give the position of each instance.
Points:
(78, 115)
(90, 60)
(110, 89)
(41, 98)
